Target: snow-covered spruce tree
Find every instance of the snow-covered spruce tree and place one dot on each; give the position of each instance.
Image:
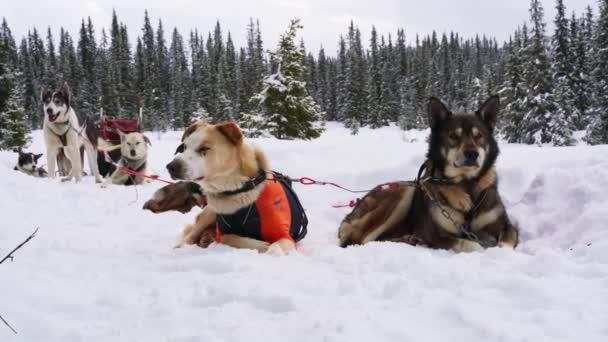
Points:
(374, 82)
(581, 32)
(354, 106)
(514, 91)
(289, 111)
(541, 123)
(598, 130)
(408, 113)
(563, 61)
(13, 125)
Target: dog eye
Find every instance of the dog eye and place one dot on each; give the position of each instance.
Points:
(203, 150)
(453, 136)
(180, 149)
(477, 137)
(137, 143)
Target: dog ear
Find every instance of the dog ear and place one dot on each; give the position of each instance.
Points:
(65, 91)
(437, 112)
(180, 148)
(192, 128)
(37, 156)
(121, 134)
(44, 93)
(488, 112)
(232, 132)
(147, 140)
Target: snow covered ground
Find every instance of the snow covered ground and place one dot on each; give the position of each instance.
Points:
(102, 269)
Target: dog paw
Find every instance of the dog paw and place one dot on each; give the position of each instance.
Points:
(187, 229)
(503, 244)
(103, 185)
(275, 249)
(410, 240)
(66, 179)
(467, 246)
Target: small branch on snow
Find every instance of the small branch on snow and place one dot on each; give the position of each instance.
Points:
(8, 325)
(10, 257)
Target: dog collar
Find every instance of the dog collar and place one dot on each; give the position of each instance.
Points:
(249, 185)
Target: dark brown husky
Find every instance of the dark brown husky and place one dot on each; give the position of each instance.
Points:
(455, 202)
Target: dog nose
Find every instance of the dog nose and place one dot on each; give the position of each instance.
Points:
(49, 111)
(132, 153)
(471, 154)
(174, 169)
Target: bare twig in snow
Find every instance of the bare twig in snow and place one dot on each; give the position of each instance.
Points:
(10, 257)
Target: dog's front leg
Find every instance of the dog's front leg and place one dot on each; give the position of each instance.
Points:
(246, 243)
(509, 237)
(281, 247)
(51, 160)
(193, 232)
(117, 177)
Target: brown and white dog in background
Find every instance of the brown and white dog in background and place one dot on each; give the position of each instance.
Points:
(134, 156)
(456, 205)
(63, 135)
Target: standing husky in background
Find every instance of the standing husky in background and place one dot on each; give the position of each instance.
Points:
(455, 204)
(133, 155)
(62, 133)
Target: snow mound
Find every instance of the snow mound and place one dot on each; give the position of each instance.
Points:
(102, 269)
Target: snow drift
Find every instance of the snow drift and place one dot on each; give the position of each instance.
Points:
(102, 269)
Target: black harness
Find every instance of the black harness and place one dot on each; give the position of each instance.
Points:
(131, 164)
(62, 137)
(246, 221)
(465, 228)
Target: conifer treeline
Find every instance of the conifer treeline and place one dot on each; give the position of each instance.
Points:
(551, 83)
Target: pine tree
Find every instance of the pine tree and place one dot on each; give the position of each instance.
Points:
(581, 32)
(163, 93)
(563, 77)
(88, 90)
(180, 86)
(354, 104)
(514, 91)
(13, 126)
(374, 99)
(289, 111)
(230, 76)
(542, 125)
(597, 132)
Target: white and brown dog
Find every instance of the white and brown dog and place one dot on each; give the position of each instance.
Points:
(63, 135)
(248, 206)
(133, 155)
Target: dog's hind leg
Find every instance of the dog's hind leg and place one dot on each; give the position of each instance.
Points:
(73, 154)
(92, 157)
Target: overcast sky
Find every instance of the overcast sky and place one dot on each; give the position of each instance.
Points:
(323, 20)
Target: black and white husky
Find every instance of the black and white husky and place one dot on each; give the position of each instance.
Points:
(27, 163)
(63, 135)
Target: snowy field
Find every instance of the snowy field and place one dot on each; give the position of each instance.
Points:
(102, 269)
